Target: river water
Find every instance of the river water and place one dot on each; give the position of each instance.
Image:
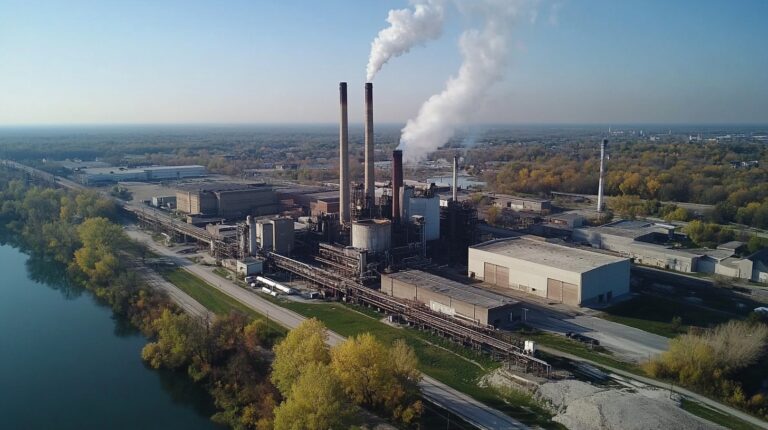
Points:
(67, 363)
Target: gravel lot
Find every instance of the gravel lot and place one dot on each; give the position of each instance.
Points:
(581, 406)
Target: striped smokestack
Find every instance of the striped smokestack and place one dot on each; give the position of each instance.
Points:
(343, 156)
(397, 183)
(370, 191)
(600, 203)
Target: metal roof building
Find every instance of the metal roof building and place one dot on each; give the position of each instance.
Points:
(560, 273)
(452, 298)
(97, 175)
(638, 240)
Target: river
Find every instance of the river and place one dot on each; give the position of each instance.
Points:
(67, 363)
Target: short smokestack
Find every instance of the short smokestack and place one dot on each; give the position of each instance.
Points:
(370, 191)
(397, 183)
(455, 183)
(343, 156)
(600, 203)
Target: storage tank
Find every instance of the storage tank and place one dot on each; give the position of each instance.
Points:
(372, 235)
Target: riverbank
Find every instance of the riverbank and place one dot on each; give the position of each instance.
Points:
(68, 363)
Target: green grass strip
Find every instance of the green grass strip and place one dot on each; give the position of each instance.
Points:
(213, 299)
(717, 417)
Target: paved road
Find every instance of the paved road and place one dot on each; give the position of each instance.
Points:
(436, 392)
(628, 342)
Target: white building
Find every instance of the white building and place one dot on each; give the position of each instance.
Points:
(140, 174)
(556, 272)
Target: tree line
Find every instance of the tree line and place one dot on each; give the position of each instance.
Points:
(641, 171)
(727, 362)
(302, 383)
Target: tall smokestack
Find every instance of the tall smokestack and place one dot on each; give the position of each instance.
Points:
(370, 191)
(397, 183)
(602, 172)
(343, 157)
(252, 250)
(455, 182)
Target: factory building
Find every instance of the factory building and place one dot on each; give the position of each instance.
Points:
(273, 235)
(312, 200)
(249, 266)
(525, 204)
(424, 204)
(102, 175)
(452, 298)
(227, 200)
(639, 241)
(556, 272)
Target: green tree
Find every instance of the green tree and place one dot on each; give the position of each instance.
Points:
(756, 243)
(97, 257)
(180, 339)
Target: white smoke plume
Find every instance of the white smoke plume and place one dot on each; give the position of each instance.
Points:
(407, 28)
(484, 53)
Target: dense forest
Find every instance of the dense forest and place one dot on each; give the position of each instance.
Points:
(231, 355)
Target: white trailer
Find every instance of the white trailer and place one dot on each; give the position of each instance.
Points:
(274, 285)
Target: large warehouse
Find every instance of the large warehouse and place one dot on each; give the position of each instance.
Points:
(452, 298)
(100, 175)
(227, 200)
(557, 272)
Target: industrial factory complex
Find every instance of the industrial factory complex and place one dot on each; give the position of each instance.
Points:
(410, 249)
(419, 253)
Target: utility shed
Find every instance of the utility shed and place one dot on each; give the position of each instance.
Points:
(250, 266)
(452, 298)
(556, 272)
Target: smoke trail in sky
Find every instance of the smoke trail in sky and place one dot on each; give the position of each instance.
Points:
(484, 53)
(407, 28)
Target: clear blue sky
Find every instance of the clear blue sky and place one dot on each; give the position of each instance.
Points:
(259, 61)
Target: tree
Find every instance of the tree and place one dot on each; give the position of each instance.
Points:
(315, 402)
(361, 364)
(377, 377)
(96, 258)
(180, 339)
(679, 214)
(756, 243)
(707, 234)
(303, 345)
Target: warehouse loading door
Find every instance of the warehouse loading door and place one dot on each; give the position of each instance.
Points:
(490, 273)
(496, 275)
(502, 276)
(554, 289)
(570, 294)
